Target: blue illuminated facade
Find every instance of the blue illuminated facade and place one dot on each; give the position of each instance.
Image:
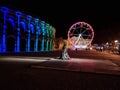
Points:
(24, 33)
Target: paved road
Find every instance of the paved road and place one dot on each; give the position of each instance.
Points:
(49, 73)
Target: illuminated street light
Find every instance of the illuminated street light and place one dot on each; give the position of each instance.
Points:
(116, 41)
(116, 44)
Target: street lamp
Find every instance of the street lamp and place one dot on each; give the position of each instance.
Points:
(116, 44)
(116, 41)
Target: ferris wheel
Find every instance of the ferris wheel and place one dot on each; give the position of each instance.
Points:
(80, 35)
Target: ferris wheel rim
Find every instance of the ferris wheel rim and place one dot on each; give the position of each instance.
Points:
(78, 23)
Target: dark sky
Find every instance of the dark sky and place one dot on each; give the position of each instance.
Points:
(104, 17)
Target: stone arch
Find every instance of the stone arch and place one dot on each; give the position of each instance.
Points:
(32, 30)
(10, 26)
(11, 20)
(23, 24)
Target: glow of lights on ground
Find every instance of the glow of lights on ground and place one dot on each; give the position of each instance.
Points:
(24, 59)
(74, 64)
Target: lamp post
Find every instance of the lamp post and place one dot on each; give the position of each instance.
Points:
(116, 43)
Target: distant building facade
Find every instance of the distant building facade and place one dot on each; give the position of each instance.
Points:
(23, 33)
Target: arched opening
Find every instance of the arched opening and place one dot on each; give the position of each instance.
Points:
(10, 44)
(39, 44)
(0, 32)
(22, 45)
(22, 36)
(32, 45)
(10, 33)
(10, 27)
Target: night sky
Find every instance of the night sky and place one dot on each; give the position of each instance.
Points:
(104, 17)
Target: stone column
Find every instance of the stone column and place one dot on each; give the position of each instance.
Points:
(28, 34)
(3, 37)
(47, 37)
(51, 38)
(36, 35)
(17, 41)
(43, 34)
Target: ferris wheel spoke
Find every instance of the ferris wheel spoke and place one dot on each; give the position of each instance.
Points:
(80, 30)
(84, 31)
(82, 38)
(74, 34)
(72, 30)
(90, 35)
(77, 39)
(75, 30)
(86, 35)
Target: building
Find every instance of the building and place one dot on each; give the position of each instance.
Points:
(20, 32)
